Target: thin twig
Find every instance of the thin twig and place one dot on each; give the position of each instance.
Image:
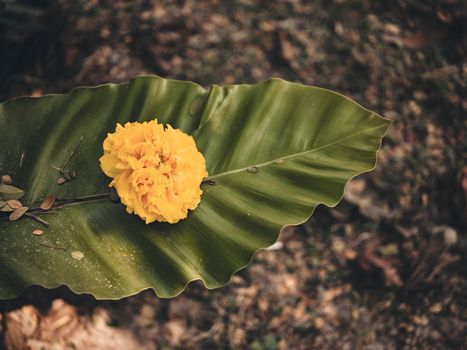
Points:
(91, 197)
(51, 246)
(56, 167)
(62, 203)
(62, 169)
(72, 152)
(83, 199)
(50, 211)
(21, 159)
(38, 219)
(69, 204)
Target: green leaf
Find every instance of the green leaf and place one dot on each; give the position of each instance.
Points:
(304, 143)
(8, 192)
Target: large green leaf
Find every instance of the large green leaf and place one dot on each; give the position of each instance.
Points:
(306, 142)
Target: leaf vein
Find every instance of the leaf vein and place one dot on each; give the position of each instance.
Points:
(233, 171)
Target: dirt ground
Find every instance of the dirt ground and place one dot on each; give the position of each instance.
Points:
(385, 269)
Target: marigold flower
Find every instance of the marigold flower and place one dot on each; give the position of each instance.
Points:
(156, 171)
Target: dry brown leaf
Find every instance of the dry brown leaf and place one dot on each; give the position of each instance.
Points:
(77, 255)
(349, 254)
(369, 259)
(436, 308)
(287, 49)
(268, 26)
(6, 180)
(14, 204)
(48, 202)
(319, 323)
(61, 322)
(357, 193)
(18, 213)
(37, 93)
(21, 325)
(332, 293)
(175, 331)
(420, 320)
(63, 328)
(61, 180)
(392, 29)
(419, 40)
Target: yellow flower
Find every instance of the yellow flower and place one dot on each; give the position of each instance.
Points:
(157, 172)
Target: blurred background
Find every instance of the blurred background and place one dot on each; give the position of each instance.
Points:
(385, 269)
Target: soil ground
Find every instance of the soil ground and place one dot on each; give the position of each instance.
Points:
(385, 269)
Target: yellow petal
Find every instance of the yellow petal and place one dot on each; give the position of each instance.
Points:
(157, 171)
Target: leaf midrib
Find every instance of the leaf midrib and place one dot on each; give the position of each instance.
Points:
(259, 165)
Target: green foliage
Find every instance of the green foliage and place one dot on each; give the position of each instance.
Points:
(274, 151)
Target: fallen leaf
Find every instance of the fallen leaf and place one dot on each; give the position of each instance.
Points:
(436, 308)
(77, 255)
(18, 213)
(369, 259)
(287, 49)
(21, 325)
(332, 293)
(175, 331)
(37, 93)
(5, 208)
(349, 254)
(357, 194)
(419, 40)
(420, 320)
(6, 180)
(392, 29)
(319, 323)
(8, 192)
(14, 204)
(48, 202)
